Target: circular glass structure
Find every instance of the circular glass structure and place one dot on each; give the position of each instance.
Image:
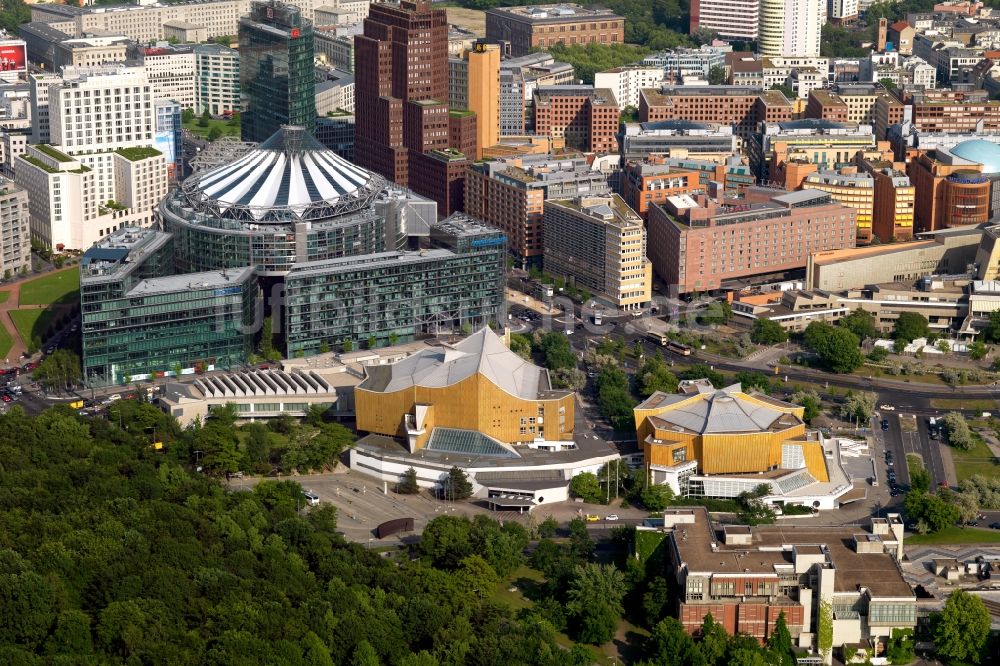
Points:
(288, 200)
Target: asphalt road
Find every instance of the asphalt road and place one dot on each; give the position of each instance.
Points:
(917, 442)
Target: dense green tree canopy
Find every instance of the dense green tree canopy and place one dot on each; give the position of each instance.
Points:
(909, 326)
(767, 332)
(962, 628)
(837, 348)
(860, 323)
(111, 552)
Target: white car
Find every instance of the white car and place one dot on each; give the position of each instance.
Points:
(613, 516)
(887, 408)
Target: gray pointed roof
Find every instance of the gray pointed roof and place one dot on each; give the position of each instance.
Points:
(717, 411)
(482, 352)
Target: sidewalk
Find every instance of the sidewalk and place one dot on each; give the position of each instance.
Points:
(515, 297)
(13, 302)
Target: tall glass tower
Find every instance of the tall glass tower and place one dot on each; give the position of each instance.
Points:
(276, 70)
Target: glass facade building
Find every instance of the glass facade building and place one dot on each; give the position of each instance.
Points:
(277, 79)
(139, 320)
(399, 295)
(344, 258)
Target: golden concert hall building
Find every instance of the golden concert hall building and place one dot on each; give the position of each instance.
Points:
(704, 441)
(476, 385)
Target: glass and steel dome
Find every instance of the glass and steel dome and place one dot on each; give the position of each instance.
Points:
(291, 176)
(982, 152)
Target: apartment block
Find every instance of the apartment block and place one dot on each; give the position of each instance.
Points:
(626, 82)
(585, 117)
(733, 19)
(100, 172)
(530, 27)
(677, 138)
(510, 194)
(89, 51)
(791, 27)
(217, 79)
(953, 110)
(699, 245)
(852, 189)
(824, 143)
(336, 46)
(746, 577)
(680, 62)
(15, 235)
(599, 244)
(519, 78)
(440, 175)
(732, 175)
(741, 107)
(145, 23)
(171, 71)
(646, 183)
(894, 200)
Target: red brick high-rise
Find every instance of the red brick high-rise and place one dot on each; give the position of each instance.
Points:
(401, 86)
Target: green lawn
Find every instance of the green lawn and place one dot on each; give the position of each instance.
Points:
(4, 295)
(31, 323)
(959, 403)
(914, 463)
(951, 536)
(6, 342)
(58, 287)
(225, 126)
(978, 460)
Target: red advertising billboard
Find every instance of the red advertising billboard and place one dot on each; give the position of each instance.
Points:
(12, 57)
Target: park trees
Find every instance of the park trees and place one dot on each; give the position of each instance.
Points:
(956, 431)
(595, 600)
(702, 371)
(59, 370)
(861, 323)
(810, 402)
(587, 487)
(614, 398)
(767, 332)
(124, 556)
(654, 375)
(656, 496)
(837, 348)
(456, 486)
(858, 406)
(909, 326)
(408, 483)
(931, 510)
(750, 380)
(520, 345)
(556, 351)
(962, 628)
(780, 642)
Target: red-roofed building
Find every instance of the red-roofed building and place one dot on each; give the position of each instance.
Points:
(900, 35)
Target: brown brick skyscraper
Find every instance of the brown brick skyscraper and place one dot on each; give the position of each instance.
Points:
(401, 86)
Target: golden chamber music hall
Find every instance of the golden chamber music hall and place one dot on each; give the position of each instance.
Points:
(711, 442)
